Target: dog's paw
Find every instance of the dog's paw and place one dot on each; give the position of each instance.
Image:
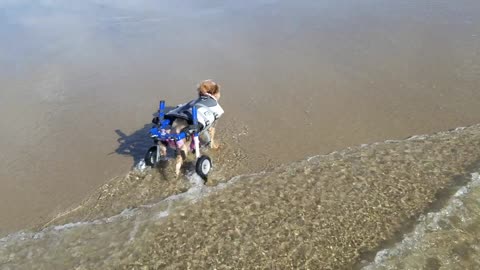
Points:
(214, 146)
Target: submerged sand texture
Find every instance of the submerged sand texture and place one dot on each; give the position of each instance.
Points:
(322, 213)
(326, 212)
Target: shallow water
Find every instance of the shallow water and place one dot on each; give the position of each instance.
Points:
(445, 239)
(324, 212)
(300, 78)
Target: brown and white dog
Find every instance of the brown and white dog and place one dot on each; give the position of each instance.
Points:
(208, 110)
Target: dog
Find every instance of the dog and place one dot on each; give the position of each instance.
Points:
(208, 111)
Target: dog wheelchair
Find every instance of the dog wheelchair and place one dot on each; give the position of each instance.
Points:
(158, 133)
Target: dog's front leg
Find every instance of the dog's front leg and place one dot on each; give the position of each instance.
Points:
(211, 133)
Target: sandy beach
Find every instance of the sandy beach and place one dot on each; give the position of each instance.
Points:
(80, 83)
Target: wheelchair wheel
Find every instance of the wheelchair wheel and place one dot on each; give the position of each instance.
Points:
(151, 158)
(203, 167)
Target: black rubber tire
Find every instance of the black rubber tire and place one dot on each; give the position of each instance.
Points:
(151, 158)
(203, 166)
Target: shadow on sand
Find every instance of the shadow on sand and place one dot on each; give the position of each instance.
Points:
(135, 144)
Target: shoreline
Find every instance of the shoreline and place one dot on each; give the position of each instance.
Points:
(333, 190)
(423, 194)
(136, 181)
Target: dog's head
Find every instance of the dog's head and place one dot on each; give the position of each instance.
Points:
(209, 87)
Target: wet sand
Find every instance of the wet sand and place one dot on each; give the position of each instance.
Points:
(299, 79)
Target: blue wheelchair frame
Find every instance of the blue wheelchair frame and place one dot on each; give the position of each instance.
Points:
(159, 134)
